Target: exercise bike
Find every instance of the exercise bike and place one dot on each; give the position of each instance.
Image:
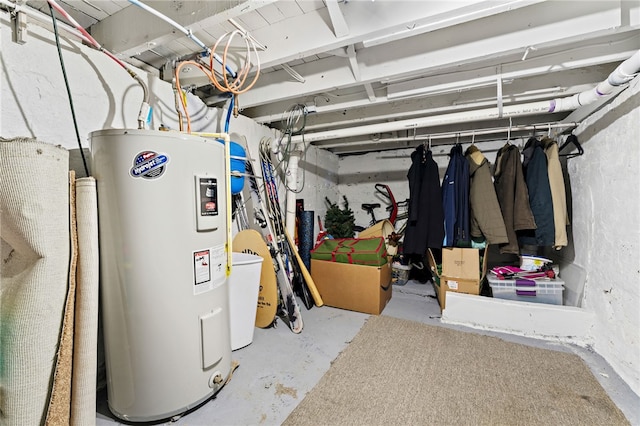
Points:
(370, 208)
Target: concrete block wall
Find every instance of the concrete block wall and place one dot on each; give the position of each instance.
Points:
(320, 180)
(358, 175)
(606, 231)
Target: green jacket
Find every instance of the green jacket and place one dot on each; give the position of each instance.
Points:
(485, 215)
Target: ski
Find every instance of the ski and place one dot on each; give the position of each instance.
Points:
(290, 310)
(273, 205)
(239, 212)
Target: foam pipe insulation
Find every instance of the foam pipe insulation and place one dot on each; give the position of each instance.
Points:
(34, 234)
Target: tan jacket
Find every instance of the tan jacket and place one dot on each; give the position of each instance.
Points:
(558, 193)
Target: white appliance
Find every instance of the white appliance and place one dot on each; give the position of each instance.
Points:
(164, 292)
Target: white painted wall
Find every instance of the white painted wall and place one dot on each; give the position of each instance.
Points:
(317, 170)
(321, 171)
(605, 185)
(359, 174)
(34, 103)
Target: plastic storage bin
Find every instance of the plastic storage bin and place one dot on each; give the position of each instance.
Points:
(399, 273)
(244, 286)
(536, 291)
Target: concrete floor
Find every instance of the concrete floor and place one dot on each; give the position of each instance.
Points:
(279, 368)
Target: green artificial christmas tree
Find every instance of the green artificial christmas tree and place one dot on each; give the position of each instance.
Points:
(339, 222)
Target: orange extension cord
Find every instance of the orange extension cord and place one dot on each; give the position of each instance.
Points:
(235, 86)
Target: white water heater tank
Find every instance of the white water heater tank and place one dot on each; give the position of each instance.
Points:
(163, 278)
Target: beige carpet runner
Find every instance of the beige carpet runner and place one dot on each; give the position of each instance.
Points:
(34, 241)
(398, 372)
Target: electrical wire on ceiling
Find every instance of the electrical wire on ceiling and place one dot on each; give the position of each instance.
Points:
(145, 108)
(66, 82)
(238, 82)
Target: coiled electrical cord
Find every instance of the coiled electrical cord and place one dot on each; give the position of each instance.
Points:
(294, 120)
(235, 85)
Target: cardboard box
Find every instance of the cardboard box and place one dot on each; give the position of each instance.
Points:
(463, 263)
(358, 288)
(361, 251)
(461, 272)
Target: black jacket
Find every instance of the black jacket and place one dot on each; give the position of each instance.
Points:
(425, 226)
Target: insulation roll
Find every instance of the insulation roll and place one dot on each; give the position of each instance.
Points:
(305, 236)
(34, 205)
(85, 358)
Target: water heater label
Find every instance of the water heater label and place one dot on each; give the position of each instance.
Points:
(209, 269)
(202, 266)
(149, 165)
(208, 196)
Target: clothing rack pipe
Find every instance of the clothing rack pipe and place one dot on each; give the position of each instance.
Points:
(502, 131)
(496, 130)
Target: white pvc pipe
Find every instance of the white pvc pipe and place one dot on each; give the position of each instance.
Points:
(171, 22)
(437, 120)
(621, 75)
(292, 182)
(183, 30)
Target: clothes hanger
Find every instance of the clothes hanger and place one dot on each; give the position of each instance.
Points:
(533, 138)
(571, 139)
(472, 148)
(424, 147)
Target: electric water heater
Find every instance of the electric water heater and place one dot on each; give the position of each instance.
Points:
(164, 295)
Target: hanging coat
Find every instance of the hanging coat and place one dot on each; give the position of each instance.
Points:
(513, 196)
(485, 217)
(425, 223)
(455, 200)
(558, 193)
(537, 177)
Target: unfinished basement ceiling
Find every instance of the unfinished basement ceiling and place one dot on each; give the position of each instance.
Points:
(360, 62)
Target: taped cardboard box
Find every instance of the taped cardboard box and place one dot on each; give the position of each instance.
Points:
(354, 287)
(461, 271)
